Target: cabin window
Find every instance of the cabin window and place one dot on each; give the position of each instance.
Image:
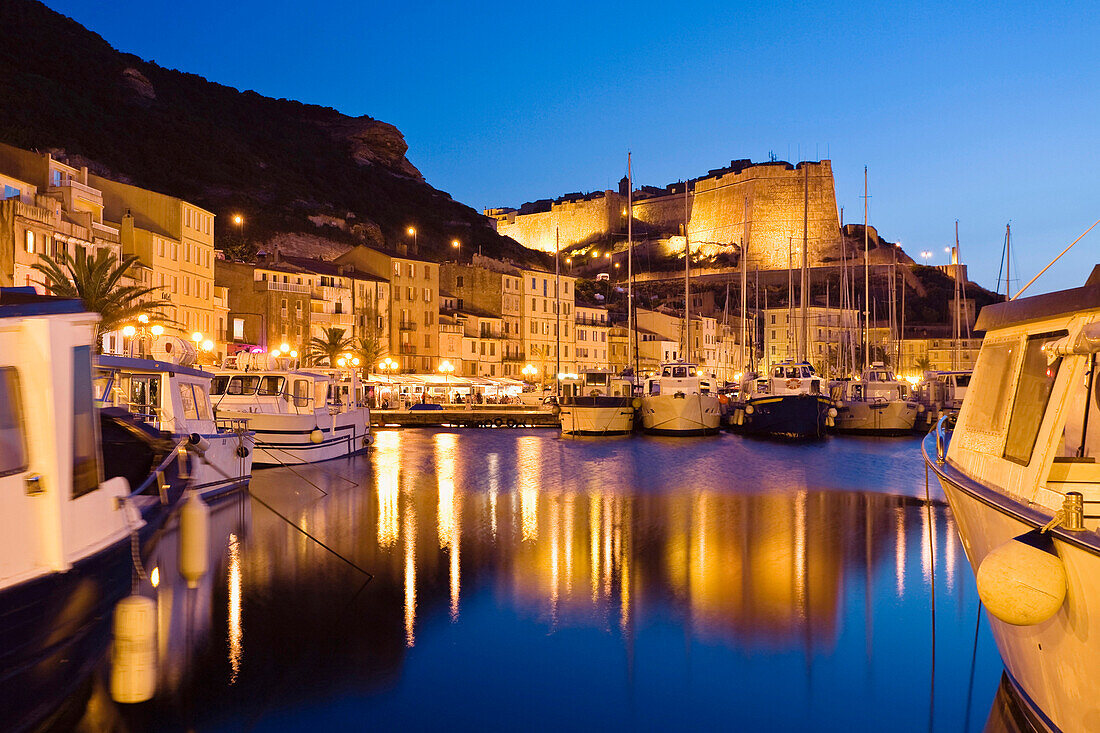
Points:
(995, 367)
(202, 403)
(187, 400)
(218, 385)
(806, 372)
(145, 396)
(679, 372)
(85, 455)
(13, 443)
(778, 373)
(301, 392)
(272, 386)
(242, 385)
(655, 386)
(1032, 393)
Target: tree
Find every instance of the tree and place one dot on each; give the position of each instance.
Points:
(327, 348)
(96, 280)
(542, 354)
(370, 346)
(923, 364)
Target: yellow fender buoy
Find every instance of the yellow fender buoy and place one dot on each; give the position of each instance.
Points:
(194, 539)
(1023, 582)
(316, 436)
(134, 650)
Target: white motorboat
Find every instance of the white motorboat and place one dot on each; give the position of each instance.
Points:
(790, 402)
(597, 402)
(940, 393)
(173, 396)
(876, 404)
(678, 400)
(297, 416)
(66, 530)
(1021, 474)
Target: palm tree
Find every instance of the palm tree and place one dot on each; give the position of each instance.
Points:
(370, 349)
(923, 364)
(96, 281)
(327, 348)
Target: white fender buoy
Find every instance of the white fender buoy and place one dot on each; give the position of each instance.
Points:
(316, 436)
(194, 539)
(134, 650)
(1023, 582)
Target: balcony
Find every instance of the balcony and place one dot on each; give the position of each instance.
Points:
(406, 326)
(332, 319)
(408, 349)
(284, 287)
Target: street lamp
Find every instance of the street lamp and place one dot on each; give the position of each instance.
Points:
(412, 233)
(529, 372)
(926, 255)
(446, 368)
(455, 243)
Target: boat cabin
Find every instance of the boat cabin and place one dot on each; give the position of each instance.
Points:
(789, 378)
(294, 393)
(1030, 424)
(679, 377)
(169, 397)
(597, 383)
(878, 384)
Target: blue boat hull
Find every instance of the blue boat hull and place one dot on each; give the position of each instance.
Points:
(797, 416)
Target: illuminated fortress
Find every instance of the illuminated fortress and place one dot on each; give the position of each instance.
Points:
(759, 202)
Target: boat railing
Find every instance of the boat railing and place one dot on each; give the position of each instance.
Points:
(231, 424)
(941, 440)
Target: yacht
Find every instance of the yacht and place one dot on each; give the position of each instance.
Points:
(678, 400)
(1020, 470)
(72, 515)
(789, 402)
(940, 393)
(298, 416)
(173, 395)
(876, 404)
(597, 402)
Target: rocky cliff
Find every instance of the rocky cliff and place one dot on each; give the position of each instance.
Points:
(293, 170)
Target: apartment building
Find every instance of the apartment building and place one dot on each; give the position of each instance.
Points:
(592, 331)
(493, 287)
(346, 298)
(541, 303)
(269, 306)
(414, 304)
(829, 331)
(175, 239)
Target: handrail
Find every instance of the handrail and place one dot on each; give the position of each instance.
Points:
(941, 440)
(156, 472)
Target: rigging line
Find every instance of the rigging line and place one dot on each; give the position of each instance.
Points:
(973, 662)
(1067, 249)
(286, 519)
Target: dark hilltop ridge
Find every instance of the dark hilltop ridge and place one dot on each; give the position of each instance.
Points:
(306, 177)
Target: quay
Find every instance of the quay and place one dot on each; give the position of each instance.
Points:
(484, 417)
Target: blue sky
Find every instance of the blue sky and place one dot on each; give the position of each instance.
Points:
(983, 114)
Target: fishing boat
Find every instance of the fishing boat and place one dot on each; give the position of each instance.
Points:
(876, 404)
(172, 395)
(297, 416)
(789, 402)
(596, 402)
(678, 400)
(70, 512)
(1020, 471)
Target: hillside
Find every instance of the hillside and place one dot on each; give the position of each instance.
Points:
(307, 174)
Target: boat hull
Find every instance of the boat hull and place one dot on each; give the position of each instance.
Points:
(287, 439)
(795, 416)
(681, 414)
(222, 470)
(596, 416)
(1054, 665)
(894, 417)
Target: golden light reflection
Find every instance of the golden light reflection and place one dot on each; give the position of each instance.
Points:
(899, 550)
(528, 449)
(494, 490)
(236, 631)
(949, 550)
(387, 484)
(594, 543)
(448, 512)
(408, 531)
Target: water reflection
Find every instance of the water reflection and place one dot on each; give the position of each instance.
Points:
(511, 572)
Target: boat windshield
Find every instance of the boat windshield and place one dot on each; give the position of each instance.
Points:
(272, 385)
(595, 380)
(681, 372)
(243, 385)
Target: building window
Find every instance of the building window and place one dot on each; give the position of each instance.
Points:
(238, 329)
(30, 241)
(427, 295)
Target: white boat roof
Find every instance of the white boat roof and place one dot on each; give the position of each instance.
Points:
(1041, 307)
(133, 364)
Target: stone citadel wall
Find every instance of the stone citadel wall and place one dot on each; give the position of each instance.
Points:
(772, 192)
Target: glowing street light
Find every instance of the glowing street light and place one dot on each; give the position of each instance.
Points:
(157, 330)
(412, 233)
(455, 243)
(143, 318)
(284, 347)
(446, 368)
(196, 337)
(926, 255)
(529, 372)
(128, 331)
(208, 345)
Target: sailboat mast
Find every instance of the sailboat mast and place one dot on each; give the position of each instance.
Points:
(687, 280)
(557, 307)
(630, 348)
(790, 295)
(956, 331)
(744, 285)
(804, 335)
(866, 281)
(1008, 260)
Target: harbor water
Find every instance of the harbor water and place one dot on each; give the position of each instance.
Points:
(518, 580)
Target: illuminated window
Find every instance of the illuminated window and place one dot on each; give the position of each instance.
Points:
(13, 445)
(30, 241)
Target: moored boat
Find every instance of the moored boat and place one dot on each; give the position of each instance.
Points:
(297, 415)
(71, 515)
(596, 402)
(1021, 474)
(876, 404)
(174, 396)
(790, 402)
(680, 401)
